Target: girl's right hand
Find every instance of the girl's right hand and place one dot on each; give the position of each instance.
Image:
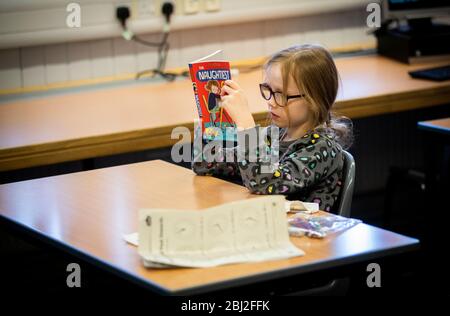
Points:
(235, 103)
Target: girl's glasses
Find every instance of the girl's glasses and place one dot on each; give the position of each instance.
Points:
(280, 98)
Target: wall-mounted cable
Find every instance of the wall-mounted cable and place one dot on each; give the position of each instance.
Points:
(123, 14)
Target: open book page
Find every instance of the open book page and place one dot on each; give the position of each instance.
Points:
(245, 231)
(216, 56)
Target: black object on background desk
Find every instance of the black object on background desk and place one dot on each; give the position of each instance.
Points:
(441, 73)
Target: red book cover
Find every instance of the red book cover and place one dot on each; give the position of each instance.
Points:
(208, 78)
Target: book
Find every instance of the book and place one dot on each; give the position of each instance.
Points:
(208, 76)
(251, 230)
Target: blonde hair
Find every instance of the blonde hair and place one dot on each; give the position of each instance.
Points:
(313, 70)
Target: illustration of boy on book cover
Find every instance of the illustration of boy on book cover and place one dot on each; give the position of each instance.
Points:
(208, 78)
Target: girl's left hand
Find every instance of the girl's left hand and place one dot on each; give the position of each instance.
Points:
(235, 103)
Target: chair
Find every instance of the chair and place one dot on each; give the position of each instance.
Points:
(338, 286)
(346, 195)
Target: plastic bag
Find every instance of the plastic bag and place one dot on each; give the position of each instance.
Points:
(319, 226)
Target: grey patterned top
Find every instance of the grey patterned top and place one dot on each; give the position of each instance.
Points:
(309, 169)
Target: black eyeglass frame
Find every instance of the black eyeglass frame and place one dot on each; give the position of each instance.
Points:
(286, 98)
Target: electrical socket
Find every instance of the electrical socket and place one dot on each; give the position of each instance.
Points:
(212, 5)
(146, 8)
(157, 6)
(191, 6)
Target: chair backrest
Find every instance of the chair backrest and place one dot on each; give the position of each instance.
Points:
(346, 195)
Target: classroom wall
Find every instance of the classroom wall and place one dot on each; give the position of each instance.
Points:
(30, 22)
(51, 64)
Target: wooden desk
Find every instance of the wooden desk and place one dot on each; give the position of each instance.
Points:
(439, 126)
(86, 214)
(68, 127)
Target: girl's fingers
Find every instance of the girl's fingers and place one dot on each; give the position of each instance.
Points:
(232, 84)
(224, 99)
(226, 90)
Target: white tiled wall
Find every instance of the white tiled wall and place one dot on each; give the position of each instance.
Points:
(41, 65)
(32, 62)
(102, 58)
(79, 61)
(56, 64)
(10, 69)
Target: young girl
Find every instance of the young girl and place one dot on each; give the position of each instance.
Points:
(300, 86)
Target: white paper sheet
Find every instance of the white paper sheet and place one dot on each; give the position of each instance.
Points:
(132, 239)
(244, 231)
